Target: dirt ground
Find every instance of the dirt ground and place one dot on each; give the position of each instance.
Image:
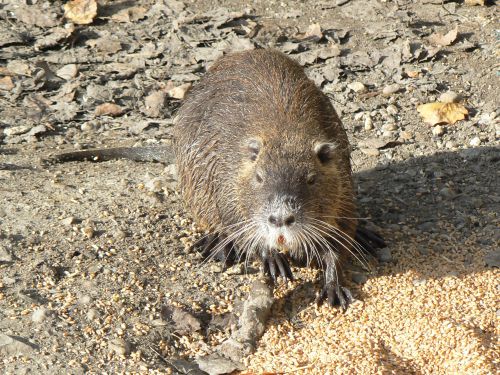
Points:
(94, 256)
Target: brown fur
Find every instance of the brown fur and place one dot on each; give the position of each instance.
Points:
(264, 97)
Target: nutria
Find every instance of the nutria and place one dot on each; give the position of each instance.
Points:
(264, 167)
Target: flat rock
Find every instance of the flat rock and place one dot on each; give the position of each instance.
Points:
(16, 345)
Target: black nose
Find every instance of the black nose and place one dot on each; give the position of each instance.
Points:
(279, 221)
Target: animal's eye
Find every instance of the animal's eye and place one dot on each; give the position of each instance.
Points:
(258, 177)
(254, 148)
(311, 179)
(325, 151)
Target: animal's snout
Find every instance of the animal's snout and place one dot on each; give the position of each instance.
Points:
(281, 220)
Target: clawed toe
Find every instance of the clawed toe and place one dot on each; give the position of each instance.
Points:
(276, 264)
(336, 295)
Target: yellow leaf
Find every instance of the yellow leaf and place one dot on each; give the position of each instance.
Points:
(439, 113)
(81, 12)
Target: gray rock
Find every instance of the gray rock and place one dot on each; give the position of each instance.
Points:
(120, 346)
(185, 367)
(41, 314)
(384, 255)
(215, 364)
(492, 259)
(16, 345)
(359, 278)
(5, 255)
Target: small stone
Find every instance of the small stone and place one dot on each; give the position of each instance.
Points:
(492, 259)
(87, 126)
(388, 133)
(67, 72)
(215, 364)
(15, 345)
(449, 97)
(119, 234)
(406, 135)
(368, 123)
(5, 255)
(359, 278)
(390, 89)
(120, 346)
(92, 314)
(451, 145)
(68, 221)
(487, 118)
(88, 232)
(384, 255)
(357, 87)
(16, 130)
(447, 193)
(392, 109)
(185, 323)
(180, 91)
(438, 130)
(358, 116)
(370, 151)
(237, 269)
(390, 127)
(40, 314)
(476, 141)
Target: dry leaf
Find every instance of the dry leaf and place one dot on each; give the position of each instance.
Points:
(109, 109)
(439, 39)
(81, 12)
(6, 83)
(439, 113)
(474, 2)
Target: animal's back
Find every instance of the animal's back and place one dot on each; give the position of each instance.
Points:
(260, 93)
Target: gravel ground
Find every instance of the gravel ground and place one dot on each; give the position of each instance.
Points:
(96, 275)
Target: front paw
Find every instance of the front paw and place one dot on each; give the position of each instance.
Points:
(276, 264)
(215, 246)
(337, 295)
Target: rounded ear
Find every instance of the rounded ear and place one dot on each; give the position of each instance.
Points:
(325, 151)
(254, 146)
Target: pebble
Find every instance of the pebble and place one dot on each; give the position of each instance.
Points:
(215, 364)
(390, 89)
(476, 141)
(68, 221)
(119, 346)
(15, 345)
(406, 135)
(5, 255)
(92, 314)
(357, 86)
(67, 71)
(359, 278)
(447, 193)
(16, 130)
(390, 127)
(88, 232)
(449, 97)
(392, 109)
(87, 126)
(438, 130)
(486, 118)
(40, 314)
(492, 259)
(368, 123)
(384, 255)
(388, 133)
